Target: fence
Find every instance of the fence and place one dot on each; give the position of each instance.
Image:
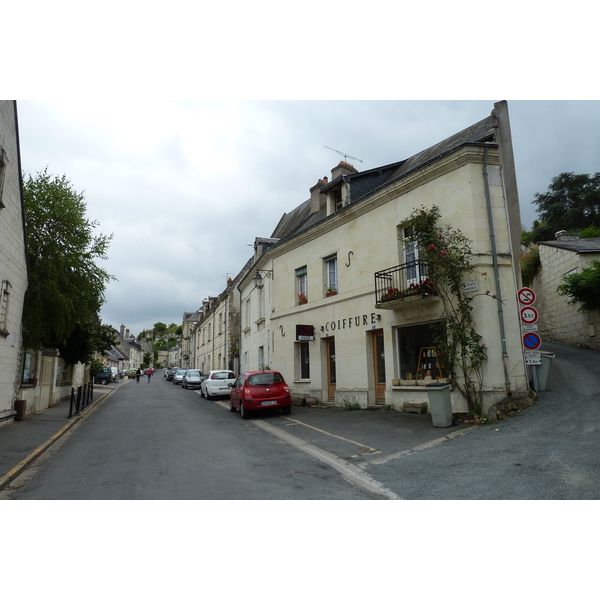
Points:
(85, 395)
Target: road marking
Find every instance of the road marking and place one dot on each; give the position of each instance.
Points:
(359, 444)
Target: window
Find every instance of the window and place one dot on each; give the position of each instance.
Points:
(331, 275)
(261, 357)
(248, 314)
(2, 173)
(415, 271)
(4, 297)
(301, 285)
(337, 199)
(261, 303)
(301, 361)
(410, 340)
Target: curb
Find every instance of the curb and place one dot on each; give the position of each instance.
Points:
(5, 480)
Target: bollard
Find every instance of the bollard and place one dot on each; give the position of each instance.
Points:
(72, 404)
(78, 401)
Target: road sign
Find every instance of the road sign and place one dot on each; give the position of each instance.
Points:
(527, 328)
(532, 341)
(526, 296)
(529, 315)
(533, 357)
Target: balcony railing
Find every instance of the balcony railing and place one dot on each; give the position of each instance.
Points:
(401, 282)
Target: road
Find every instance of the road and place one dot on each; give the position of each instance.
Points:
(548, 452)
(157, 441)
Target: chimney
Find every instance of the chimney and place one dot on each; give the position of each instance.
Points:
(122, 330)
(566, 236)
(343, 168)
(317, 200)
(127, 333)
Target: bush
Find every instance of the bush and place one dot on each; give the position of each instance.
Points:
(583, 287)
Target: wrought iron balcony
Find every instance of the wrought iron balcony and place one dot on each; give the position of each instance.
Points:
(402, 282)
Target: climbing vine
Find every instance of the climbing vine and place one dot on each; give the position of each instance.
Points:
(447, 255)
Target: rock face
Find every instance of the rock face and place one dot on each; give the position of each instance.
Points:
(510, 407)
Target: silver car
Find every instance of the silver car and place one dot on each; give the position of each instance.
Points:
(177, 378)
(191, 379)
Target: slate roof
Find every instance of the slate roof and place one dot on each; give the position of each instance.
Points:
(366, 183)
(584, 246)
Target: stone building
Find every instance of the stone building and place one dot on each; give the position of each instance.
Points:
(311, 305)
(558, 320)
(13, 262)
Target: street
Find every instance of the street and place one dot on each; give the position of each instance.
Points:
(158, 441)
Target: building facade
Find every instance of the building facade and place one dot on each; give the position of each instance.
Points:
(13, 261)
(316, 312)
(558, 320)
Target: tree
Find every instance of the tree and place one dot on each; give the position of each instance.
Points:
(159, 329)
(583, 287)
(66, 286)
(572, 202)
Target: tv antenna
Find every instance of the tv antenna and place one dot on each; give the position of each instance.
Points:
(344, 154)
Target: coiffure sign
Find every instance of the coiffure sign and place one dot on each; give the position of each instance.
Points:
(349, 322)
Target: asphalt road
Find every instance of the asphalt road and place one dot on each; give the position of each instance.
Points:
(157, 441)
(550, 451)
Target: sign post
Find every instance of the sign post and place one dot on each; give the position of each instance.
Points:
(531, 340)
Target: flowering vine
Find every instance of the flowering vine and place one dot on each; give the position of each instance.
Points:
(447, 254)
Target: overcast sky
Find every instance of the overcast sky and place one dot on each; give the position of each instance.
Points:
(184, 187)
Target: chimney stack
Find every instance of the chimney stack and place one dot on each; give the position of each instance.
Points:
(317, 201)
(566, 236)
(122, 330)
(343, 168)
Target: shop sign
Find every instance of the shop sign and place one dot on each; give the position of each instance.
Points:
(349, 322)
(305, 333)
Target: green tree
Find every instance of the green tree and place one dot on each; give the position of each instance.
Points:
(572, 202)
(66, 286)
(583, 287)
(159, 328)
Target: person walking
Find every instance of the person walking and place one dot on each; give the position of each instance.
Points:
(138, 374)
(149, 372)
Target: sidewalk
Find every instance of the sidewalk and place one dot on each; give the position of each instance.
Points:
(21, 442)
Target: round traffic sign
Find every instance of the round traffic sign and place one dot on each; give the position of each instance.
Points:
(529, 315)
(526, 296)
(532, 341)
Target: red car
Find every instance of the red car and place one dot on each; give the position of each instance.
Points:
(257, 390)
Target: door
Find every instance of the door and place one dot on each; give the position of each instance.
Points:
(379, 366)
(331, 380)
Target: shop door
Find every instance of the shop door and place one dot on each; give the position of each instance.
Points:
(379, 366)
(331, 380)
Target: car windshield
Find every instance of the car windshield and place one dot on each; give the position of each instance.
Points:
(223, 375)
(265, 379)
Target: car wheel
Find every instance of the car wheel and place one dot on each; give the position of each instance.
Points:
(231, 406)
(287, 410)
(243, 411)
(208, 396)
(105, 382)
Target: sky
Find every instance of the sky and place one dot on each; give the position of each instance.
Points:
(184, 187)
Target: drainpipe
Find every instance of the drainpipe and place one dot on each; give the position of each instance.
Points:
(496, 273)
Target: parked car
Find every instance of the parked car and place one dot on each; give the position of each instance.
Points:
(178, 376)
(217, 383)
(170, 373)
(131, 373)
(258, 390)
(106, 375)
(192, 379)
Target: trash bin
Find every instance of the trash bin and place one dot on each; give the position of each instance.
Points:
(440, 404)
(544, 370)
(20, 406)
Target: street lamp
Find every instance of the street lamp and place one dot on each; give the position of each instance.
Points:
(258, 279)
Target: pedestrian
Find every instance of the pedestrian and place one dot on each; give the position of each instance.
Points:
(138, 374)
(149, 372)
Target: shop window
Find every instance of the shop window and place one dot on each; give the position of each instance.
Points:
(302, 360)
(410, 340)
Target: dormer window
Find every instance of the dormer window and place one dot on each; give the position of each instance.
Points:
(337, 199)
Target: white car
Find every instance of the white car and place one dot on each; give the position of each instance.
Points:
(217, 383)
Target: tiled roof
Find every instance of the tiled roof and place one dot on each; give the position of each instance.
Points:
(583, 246)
